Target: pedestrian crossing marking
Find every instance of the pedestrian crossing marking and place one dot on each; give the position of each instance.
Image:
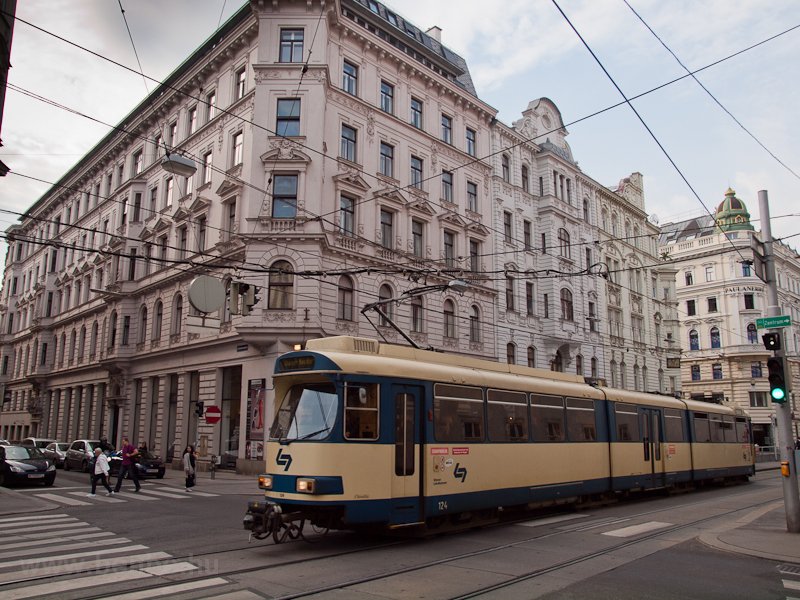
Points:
(49, 540)
(32, 562)
(100, 497)
(178, 588)
(637, 529)
(37, 518)
(38, 527)
(166, 494)
(77, 567)
(33, 591)
(63, 499)
(68, 546)
(170, 569)
(790, 584)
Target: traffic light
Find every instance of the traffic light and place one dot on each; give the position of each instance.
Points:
(777, 380)
(772, 341)
(233, 298)
(198, 409)
(250, 297)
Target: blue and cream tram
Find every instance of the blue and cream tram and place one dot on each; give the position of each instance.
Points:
(375, 434)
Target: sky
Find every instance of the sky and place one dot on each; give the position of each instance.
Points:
(526, 51)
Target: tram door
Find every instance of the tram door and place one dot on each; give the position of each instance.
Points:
(407, 469)
(652, 441)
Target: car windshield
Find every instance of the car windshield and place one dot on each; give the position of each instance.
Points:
(307, 412)
(22, 453)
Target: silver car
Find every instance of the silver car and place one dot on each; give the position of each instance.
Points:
(79, 455)
(56, 451)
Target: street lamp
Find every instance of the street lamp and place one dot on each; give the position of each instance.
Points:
(178, 165)
(455, 285)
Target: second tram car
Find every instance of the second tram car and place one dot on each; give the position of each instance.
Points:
(376, 434)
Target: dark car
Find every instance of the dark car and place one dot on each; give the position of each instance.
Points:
(21, 464)
(56, 451)
(80, 454)
(147, 464)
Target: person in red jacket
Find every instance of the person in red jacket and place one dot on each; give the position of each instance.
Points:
(129, 454)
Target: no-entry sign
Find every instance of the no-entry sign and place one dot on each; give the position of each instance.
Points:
(213, 415)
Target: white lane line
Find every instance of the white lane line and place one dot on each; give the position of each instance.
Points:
(43, 541)
(165, 494)
(549, 520)
(169, 591)
(59, 488)
(63, 499)
(194, 492)
(132, 496)
(170, 569)
(56, 548)
(79, 528)
(56, 567)
(101, 497)
(34, 562)
(32, 518)
(40, 527)
(59, 587)
(637, 529)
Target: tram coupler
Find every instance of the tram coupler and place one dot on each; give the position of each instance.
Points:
(264, 519)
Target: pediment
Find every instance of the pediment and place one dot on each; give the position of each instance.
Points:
(422, 206)
(180, 215)
(478, 228)
(146, 234)
(160, 225)
(116, 242)
(74, 272)
(351, 179)
(453, 219)
(228, 187)
(200, 204)
(98, 259)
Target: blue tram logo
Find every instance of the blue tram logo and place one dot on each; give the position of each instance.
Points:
(284, 460)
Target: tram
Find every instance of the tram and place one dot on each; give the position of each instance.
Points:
(367, 434)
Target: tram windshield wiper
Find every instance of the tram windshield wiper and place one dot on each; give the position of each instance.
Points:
(286, 442)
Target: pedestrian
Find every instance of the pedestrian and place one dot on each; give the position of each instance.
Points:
(104, 445)
(100, 473)
(129, 454)
(189, 464)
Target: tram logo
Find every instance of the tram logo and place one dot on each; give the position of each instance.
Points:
(284, 460)
(460, 472)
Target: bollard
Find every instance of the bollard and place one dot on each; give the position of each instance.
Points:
(213, 466)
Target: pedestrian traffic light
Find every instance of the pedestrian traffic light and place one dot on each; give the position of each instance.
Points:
(772, 341)
(198, 409)
(777, 380)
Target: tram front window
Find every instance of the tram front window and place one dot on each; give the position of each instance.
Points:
(307, 412)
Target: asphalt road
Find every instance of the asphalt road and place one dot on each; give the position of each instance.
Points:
(641, 549)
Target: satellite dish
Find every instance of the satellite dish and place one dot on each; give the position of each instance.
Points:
(653, 219)
(206, 294)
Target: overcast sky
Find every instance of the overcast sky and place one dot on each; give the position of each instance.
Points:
(525, 52)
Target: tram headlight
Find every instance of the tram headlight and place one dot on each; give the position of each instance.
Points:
(305, 485)
(265, 482)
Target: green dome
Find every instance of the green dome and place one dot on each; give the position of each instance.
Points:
(732, 214)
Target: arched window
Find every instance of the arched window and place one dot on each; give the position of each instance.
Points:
(558, 362)
(694, 340)
(644, 378)
(586, 209)
(604, 219)
(752, 333)
(112, 335)
(177, 314)
(594, 367)
(449, 319)
(526, 186)
(531, 356)
(660, 380)
(142, 325)
(417, 315)
(613, 373)
(158, 317)
(82, 344)
(622, 369)
(579, 365)
(715, 340)
(281, 286)
(563, 242)
(72, 337)
(506, 165)
(511, 354)
(614, 225)
(566, 305)
(475, 324)
(385, 293)
(636, 381)
(344, 309)
(93, 340)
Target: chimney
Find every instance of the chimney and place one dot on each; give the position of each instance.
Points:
(435, 33)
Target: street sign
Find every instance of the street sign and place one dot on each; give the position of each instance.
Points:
(772, 322)
(213, 415)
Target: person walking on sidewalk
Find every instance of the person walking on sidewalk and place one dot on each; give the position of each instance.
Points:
(100, 472)
(189, 464)
(129, 454)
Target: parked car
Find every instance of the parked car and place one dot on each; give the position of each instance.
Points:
(24, 464)
(56, 451)
(40, 443)
(80, 454)
(4, 443)
(147, 465)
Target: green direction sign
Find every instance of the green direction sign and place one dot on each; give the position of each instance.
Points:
(772, 322)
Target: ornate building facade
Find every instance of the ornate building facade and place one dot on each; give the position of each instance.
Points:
(720, 297)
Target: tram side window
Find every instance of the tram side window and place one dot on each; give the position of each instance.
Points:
(717, 434)
(361, 411)
(627, 423)
(728, 429)
(673, 425)
(580, 420)
(508, 416)
(742, 431)
(547, 418)
(702, 433)
(457, 413)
